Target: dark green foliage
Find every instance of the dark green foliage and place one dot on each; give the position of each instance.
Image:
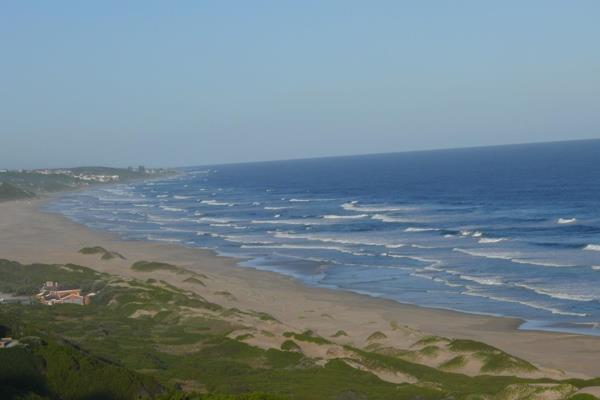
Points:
(21, 279)
(196, 281)
(106, 255)
(307, 336)
(150, 266)
(11, 192)
(139, 333)
(377, 336)
(290, 345)
(339, 334)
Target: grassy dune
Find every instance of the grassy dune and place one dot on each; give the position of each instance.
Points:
(151, 339)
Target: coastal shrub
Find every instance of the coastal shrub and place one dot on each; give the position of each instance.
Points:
(454, 363)
(377, 336)
(430, 351)
(195, 281)
(106, 255)
(290, 345)
(307, 336)
(339, 334)
(151, 266)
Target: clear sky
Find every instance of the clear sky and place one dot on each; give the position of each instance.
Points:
(174, 83)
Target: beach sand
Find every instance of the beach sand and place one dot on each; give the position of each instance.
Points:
(29, 235)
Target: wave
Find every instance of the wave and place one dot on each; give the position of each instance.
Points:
(470, 292)
(390, 219)
(566, 220)
(413, 229)
(416, 258)
(491, 240)
(333, 216)
(306, 200)
(215, 220)
(592, 247)
(275, 208)
(358, 242)
(171, 209)
(596, 267)
(162, 239)
(300, 247)
(555, 295)
(177, 197)
(305, 222)
(160, 196)
(511, 257)
(352, 206)
(482, 280)
(216, 203)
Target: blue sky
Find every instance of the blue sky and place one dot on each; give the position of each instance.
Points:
(198, 82)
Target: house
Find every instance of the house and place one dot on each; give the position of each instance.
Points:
(50, 295)
(7, 342)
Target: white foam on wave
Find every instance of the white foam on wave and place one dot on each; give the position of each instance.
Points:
(326, 239)
(566, 220)
(416, 258)
(555, 294)
(171, 209)
(213, 220)
(298, 247)
(216, 203)
(274, 208)
(510, 257)
(352, 206)
(491, 240)
(596, 267)
(305, 222)
(471, 292)
(415, 229)
(162, 239)
(160, 196)
(177, 197)
(390, 219)
(334, 216)
(592, 247)
(486, 281)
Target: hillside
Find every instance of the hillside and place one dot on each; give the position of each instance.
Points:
(12, 192)
(149, 337)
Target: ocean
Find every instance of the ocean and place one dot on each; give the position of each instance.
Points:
(505, 230)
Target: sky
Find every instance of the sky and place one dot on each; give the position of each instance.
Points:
(176, 83)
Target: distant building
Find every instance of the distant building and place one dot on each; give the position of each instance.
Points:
(51, 295)
(7, 342)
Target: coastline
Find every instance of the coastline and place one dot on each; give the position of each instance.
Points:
(30, 235)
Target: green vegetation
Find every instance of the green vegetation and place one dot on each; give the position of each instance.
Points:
(193, 280)
(106, 255)
(307, 336)
(454, 363)
(494, 360)
(149, 339)
(12, 192)
(23, 184)
(151, 266)
(290, 345)
(339, 334)
(377, 336)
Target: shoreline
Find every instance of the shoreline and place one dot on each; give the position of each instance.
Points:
(56, 239)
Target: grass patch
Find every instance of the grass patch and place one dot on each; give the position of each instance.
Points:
(106, 254)
(454, 363)
(339, 333)
(195, 281)
(151, 266)
(290, 345)
(377, 336)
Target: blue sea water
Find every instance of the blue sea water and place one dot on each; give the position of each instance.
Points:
(510, 230)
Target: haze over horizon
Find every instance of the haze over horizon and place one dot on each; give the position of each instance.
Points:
(194, 83)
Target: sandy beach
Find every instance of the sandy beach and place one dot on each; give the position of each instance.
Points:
(29, 235)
